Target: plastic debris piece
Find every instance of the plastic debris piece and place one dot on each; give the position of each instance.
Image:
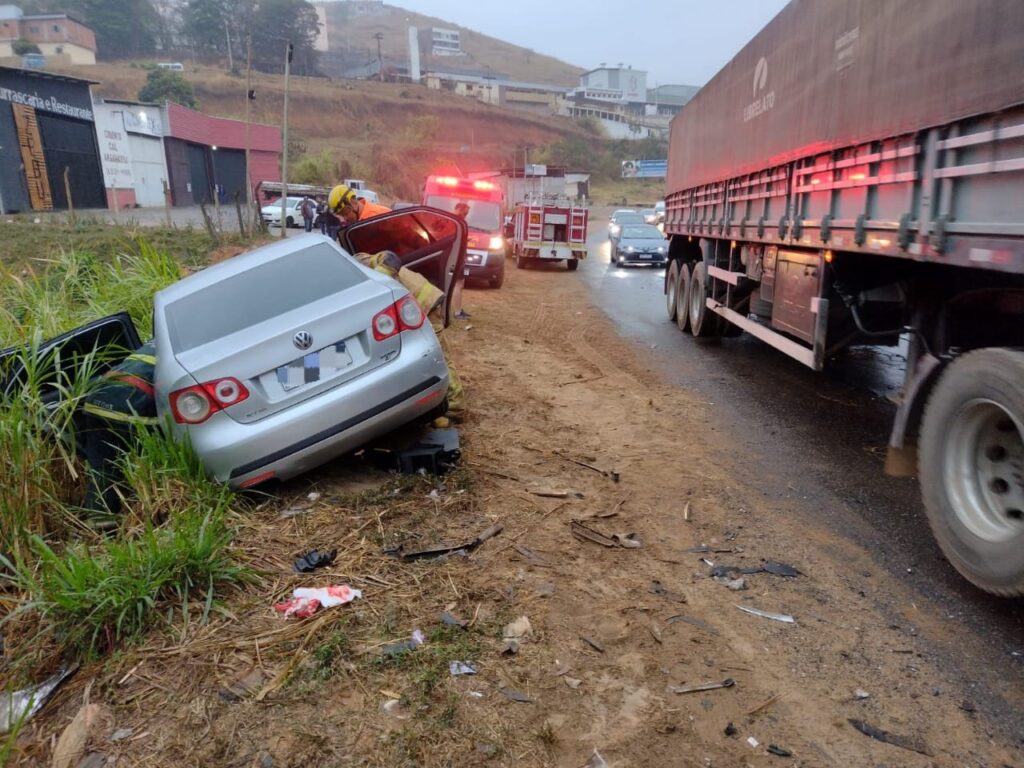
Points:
(121, 733)
(518, 629)
(452, 621)
(572, 682)
(736, 585)
(531, 557)
(551, 494)
(394, 708)
(727, 683)
(592, 643)
(784, 618)
(415, 641)
(248, 684)
(314, 559)
(467, 546)
(513, 695)
(860, 694)
(780, 569)
(693, 621)
(18, 706)
(307, 601)
(510, 647)
(584, 533)
(313, 496)
(903, 742)
(544, 589)
(627, 540)
(779, 751)
(730, 730)
(753, 742)
(432, 452)
(596, 761)
(457, 668)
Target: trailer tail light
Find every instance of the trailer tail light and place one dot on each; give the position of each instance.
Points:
(447, 181)
(404, 315)
(483, 185)
(196, 404)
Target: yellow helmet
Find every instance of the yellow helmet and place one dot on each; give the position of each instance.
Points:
(340, 197)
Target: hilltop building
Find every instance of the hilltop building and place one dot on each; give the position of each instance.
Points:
(59, 37)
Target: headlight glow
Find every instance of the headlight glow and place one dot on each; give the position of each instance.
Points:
(497, 243)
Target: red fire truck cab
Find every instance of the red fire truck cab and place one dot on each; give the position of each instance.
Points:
(482, 204)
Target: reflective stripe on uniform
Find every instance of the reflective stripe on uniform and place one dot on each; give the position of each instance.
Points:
(128, 418)
(143, 358)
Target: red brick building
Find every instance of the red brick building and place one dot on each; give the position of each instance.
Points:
(60, 37)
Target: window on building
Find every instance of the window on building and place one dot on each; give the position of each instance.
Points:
(60, 49)
(34, 30)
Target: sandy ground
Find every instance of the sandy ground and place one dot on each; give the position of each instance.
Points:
(551, 384)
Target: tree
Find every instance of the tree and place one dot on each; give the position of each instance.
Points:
(21, 46)
(273, 22)
(204, 25)
(166, 85)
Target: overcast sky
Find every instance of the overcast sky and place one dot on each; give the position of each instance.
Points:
(676, 41)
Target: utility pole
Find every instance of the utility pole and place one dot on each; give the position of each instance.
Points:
(284, 161)
(231, 61)
(380, 61)
(250, 94)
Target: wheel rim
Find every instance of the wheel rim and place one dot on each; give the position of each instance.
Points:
(696, 295)
(984, 470)
(670, 293)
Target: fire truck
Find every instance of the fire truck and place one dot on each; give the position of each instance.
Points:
(482, 204)
(548, 227)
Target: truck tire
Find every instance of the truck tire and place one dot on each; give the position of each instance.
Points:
(572, 264)
(704, 324)
(499, 279)
(671, 286)
(971, 467)
(684, 281)
(521, 261)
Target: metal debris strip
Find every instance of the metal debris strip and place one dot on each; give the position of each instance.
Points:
(783, 617)
(531, 557)
(18, 706)
(903, 742)
(467, 546)
(584, 533)
(693, 621)
(513, 695)
(713, 686)
(592, 643)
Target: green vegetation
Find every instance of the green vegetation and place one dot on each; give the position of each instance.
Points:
(80, 590)
(167, 85)
(21, 46)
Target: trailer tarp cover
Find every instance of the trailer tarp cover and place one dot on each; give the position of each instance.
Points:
(831, 73)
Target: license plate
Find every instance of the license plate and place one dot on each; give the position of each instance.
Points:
(313, 366)
(465, 270)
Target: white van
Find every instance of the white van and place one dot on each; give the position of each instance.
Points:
(174, 66)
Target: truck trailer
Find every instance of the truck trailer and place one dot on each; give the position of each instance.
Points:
(855, 176)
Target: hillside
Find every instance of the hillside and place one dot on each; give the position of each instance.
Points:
(481, 51)
(391, 133)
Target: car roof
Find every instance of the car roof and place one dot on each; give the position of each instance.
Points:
(250, 260)
(624, 210)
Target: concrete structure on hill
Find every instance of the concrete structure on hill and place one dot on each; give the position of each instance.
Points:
(619, 99)
(438, 41)
(492, 88)
(47, 142)
(59, 37)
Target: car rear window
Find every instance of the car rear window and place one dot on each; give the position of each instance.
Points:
(259, 294)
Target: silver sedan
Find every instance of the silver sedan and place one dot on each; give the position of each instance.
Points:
(283, 358)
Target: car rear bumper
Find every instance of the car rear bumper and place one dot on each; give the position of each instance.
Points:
(323, 427)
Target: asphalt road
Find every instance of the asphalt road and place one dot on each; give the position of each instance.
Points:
(817, 440)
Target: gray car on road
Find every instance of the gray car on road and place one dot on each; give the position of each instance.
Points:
(640, 244)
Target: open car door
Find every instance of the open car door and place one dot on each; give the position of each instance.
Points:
(107, 340)
(427, 240)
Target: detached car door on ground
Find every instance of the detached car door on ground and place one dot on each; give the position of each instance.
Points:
(290, 355)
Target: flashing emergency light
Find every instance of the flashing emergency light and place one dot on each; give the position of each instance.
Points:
(483, 185)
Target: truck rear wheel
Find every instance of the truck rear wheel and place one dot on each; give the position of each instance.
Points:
(572, 264)
(521, 261)
(684, 281)
(671, 286)
(704, 324)
(971, 467)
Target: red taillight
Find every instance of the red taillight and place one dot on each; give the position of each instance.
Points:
(194, 405)
(404, 315)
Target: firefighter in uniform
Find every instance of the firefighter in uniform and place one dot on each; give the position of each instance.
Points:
(431, 301)
(121, 402)
(349, 207)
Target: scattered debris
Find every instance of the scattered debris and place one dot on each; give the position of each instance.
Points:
(457, 668)
(657, 588)
(544, 589)
(518, 629)
(18, 706)
(784, 618)
(655, 631)
(307, 601)
(561, 668)
(121, 734)
(780, 569)
(860, 694)
(596, 761)
(73, 742)
(903, 742)
(315, 559)
(467, 546)
(313, 496)
(452, 621)
(693, 621)
(730, 729)
(433, 452)
(510, 647)
(736, 585)
(549, 494)
(686, 512)
(531, 557)
(302, 509)
(967, 706)
(487, 750)
(584, 533)
(727, 683)
(393, 708)
(592, 643)
(513, 695)
(753, 742)
(627, 540)
(779, 751)
(415, 641)
(572, 682)
(248, 684)
(728, 571)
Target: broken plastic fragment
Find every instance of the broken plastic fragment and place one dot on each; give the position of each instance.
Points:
(753, 742)
(785, 618)
(457, 668)
(18, 706)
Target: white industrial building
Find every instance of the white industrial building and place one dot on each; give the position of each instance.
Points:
(130, 136)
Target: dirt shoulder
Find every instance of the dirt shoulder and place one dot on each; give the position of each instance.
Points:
(550, 385)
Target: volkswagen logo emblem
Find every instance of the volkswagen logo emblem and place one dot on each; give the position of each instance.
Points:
(303, 339)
